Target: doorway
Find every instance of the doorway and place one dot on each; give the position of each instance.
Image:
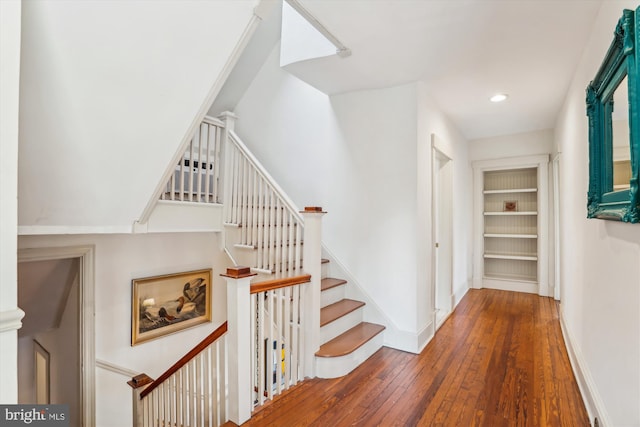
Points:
(56, 349)
(442, 231)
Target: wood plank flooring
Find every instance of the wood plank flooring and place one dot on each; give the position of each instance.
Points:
(499, 360)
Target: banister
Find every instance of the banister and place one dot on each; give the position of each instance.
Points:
(213, 121)
(210, 339)
(269, 285)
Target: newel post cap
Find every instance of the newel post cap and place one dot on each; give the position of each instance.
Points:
(140, 381)
(313, 209)
(238, 272)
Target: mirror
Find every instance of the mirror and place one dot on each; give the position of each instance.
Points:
(620, 136)
(613, 109)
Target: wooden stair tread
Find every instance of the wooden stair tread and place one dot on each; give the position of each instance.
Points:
(330, 282)
(336, 310)
(350, 341)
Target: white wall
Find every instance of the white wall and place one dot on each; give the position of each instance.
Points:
(118, 260)
(521, 144)
(432, 121)
(10, 11)
(360, 156)
(600, 281)
(108, 92)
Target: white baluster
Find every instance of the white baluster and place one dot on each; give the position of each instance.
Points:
(286, 320)
(217, 165)
(204, 136)
(294, 335)
(191, 163)
(261, 349)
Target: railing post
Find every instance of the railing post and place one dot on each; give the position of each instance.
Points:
(229, 120)
(239, 343)
(312, 262)
(138, 384)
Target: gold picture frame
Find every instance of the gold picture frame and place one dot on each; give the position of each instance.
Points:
(163, 305)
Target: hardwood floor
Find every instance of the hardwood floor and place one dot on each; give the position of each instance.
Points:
(499, 360)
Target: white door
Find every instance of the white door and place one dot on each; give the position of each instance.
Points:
(442, 230)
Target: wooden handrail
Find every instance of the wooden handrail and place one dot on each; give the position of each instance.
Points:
(213, 337)
(269, 285)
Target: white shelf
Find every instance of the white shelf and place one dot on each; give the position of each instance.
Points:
(511, 277)
(512, 236)
(512, 213)
(514, 190)
(521, 257)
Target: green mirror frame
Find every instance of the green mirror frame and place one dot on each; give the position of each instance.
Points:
(622, 59)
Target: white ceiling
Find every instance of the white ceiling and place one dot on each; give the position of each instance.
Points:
(463, 50)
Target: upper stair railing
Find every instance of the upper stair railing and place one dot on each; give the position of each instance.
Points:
(268, 221)
(196, 177)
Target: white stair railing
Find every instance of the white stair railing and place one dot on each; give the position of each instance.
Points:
(268, 221)
(283, 312)
(190, 393)
(196, 177)
(277, 353)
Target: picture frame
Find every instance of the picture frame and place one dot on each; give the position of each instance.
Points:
(510, 206)
(163, 305)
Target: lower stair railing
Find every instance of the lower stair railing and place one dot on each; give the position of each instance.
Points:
(190, 393)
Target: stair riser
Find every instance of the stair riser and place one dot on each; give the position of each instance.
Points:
(332, 295)
(340, 325)
(334, 367)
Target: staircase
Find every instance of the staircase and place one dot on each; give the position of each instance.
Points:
(346, 340)
(264, 230)
(275, 301)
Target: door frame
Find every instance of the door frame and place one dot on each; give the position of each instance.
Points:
(86, 301)
(555, 168)
(441, 153)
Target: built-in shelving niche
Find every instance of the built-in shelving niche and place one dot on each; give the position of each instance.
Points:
(511, 224)
(508, 222)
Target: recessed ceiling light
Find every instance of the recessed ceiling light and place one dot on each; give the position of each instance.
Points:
(498, 97)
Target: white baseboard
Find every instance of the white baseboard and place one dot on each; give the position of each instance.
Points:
(592, 401)
(457, 296)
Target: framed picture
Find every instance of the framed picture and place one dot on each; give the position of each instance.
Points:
(510, 206)
(166, 304)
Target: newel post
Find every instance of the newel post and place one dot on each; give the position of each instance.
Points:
(239, 342)
(312, 260)
(138, 384)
